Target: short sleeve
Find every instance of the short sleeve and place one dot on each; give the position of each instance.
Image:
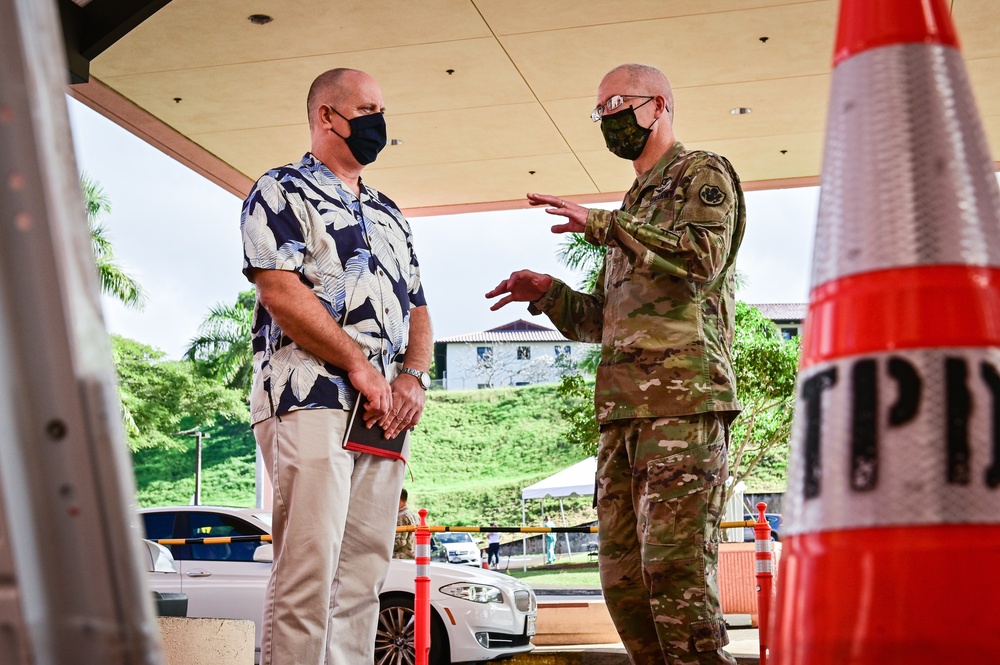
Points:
(272, 231)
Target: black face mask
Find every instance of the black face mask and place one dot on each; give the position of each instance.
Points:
(367, 137)
(623, 135)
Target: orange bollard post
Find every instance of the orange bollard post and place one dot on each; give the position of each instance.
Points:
(764, 560)
(422, 595)
(893, 506)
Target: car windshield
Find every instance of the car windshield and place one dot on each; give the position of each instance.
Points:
(447, 537)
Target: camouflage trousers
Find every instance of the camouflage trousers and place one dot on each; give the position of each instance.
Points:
(659, 506)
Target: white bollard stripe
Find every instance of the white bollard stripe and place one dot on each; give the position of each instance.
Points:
(423, 570)
(765, 566)
(423, 551)
(762, 546)
(897, 438)
(929, 196)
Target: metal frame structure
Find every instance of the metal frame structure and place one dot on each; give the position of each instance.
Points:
(71, 586)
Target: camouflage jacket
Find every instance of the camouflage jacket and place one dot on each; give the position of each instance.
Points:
(403, 546)
(663, 305)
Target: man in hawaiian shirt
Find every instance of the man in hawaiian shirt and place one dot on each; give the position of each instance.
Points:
(340, 313)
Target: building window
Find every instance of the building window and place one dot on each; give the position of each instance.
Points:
(788, 333)
(524, 353)
(563, 350)
(484, 352)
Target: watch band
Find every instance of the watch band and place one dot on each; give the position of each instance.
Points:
(425, 380)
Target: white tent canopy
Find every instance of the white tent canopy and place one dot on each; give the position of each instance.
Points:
(575, 480)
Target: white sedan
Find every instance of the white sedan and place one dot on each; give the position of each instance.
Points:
(476, 615)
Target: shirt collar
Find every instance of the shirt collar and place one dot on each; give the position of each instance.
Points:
(655, 174)
(312, 163)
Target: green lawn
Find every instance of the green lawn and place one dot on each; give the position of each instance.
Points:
(585, 576)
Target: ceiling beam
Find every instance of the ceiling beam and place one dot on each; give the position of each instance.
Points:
(89, 30)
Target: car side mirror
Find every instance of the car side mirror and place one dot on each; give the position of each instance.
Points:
(264, 553)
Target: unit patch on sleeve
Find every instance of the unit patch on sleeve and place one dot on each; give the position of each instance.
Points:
(711, 195)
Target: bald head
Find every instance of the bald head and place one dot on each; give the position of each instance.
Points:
(643, 80)
(331, 87)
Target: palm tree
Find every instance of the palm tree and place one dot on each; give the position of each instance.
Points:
(115, 282)
(223, 342)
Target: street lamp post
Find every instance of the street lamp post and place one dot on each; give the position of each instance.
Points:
(198, 436)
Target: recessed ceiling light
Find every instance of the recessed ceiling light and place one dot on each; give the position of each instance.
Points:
(259, 19)
(740, 110)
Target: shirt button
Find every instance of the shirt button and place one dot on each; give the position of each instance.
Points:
(386, 310)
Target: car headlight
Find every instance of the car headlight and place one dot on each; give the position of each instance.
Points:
(477, 593)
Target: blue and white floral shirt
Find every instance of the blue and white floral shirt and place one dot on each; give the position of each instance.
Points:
(355, 253)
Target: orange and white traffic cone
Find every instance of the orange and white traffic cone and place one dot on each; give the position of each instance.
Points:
(893, 506)
(486, 560)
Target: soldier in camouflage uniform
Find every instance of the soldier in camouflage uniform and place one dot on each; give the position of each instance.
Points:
(403, 546)
(662, 310)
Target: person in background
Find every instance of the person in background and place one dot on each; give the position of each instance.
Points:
(493, 549)
(403, 547)
(550, 541)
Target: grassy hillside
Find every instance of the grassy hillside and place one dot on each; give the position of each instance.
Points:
(471, 455)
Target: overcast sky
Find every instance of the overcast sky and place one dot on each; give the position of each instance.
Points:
(178, 234)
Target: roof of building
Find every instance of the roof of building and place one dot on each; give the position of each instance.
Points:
(783, 311)
(515, 331)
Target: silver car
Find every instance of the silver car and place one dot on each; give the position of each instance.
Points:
(476, 615)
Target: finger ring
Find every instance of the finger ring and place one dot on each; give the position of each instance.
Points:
(562, 204)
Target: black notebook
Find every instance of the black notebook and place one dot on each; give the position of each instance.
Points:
(372, 441)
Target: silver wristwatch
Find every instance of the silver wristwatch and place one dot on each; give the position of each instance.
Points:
(425, 380)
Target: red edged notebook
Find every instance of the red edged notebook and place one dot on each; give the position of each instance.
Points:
(372, 441)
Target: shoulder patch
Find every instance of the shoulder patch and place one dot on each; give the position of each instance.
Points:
(711, 195)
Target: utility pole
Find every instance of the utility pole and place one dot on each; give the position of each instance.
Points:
(198, 436)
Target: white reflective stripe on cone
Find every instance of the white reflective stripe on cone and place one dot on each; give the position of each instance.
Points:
(930, 196)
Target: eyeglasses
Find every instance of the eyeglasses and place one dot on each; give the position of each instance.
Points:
(614, 102)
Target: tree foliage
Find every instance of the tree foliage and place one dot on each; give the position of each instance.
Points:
(115, 282)
(222, 348)
(162, 397)
(577, 411)
(765, 367)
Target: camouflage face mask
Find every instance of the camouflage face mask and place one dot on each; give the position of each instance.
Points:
(623, 135)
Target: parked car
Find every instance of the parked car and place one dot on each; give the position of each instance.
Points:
(476, 614)
(455, 547)
(774, 519)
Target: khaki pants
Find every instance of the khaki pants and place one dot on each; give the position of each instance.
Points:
(333, 521)
(659, 505)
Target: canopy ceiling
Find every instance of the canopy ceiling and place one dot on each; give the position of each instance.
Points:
(490, 98)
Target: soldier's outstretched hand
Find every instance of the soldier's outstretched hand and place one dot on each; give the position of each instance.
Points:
(576, 215)
(521, 286)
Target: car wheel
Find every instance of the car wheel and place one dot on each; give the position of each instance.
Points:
(394, 637)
